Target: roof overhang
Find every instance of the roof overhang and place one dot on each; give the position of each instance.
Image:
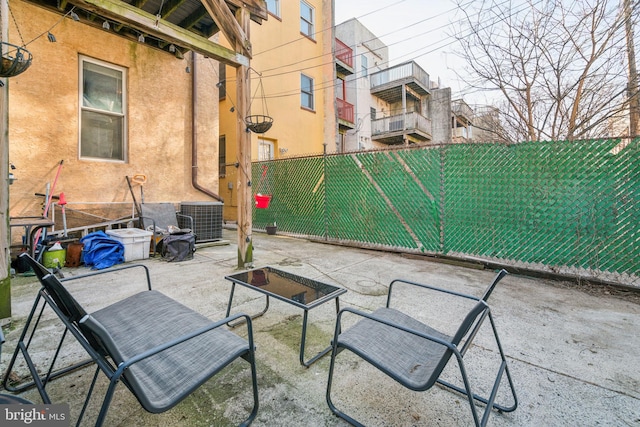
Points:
(174, 26)
(142, 21)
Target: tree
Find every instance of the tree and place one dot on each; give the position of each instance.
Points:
(556, 65)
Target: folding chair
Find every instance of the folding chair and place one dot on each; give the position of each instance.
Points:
(163, 218)
(160, 349)
(415, 354)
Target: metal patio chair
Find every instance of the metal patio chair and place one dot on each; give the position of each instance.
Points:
(163, 219)
(415, 354)
(160, 349)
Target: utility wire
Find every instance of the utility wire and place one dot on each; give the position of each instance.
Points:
(375, 38)
(322, 31)
(434, 47)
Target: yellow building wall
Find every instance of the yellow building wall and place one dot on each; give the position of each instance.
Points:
(44, 117)
(281, 53)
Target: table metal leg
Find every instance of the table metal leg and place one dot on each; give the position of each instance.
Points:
(240, 322)
(304, 336)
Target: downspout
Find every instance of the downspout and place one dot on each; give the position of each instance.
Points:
(194, 133)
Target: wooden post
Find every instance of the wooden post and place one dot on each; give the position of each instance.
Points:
(5, 259)
(243, 101)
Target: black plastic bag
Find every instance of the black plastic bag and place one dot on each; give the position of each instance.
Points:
(178, 247)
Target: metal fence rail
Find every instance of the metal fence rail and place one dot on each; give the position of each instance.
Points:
(566, 207)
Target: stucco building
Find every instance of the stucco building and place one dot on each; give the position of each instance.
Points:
(114, 91)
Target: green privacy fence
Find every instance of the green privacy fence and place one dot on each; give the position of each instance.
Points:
(567, 207)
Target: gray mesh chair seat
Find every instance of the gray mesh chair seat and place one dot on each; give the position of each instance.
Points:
(414, 353)
(134, 325)
(159, 348)
(398, 354)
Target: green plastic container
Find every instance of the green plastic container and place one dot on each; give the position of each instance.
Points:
(54, 259)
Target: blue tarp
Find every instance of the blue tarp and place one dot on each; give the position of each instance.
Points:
(101, 251)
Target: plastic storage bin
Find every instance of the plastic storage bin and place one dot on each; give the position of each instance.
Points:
(136, 242)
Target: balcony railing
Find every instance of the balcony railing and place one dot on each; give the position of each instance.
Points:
(344, 53)
(461, 108)
(409, 123)
(345, 110)
(399, 73)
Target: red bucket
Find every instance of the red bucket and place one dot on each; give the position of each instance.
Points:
(262, 201)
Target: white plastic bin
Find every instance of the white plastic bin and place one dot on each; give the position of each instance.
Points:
(136, 242)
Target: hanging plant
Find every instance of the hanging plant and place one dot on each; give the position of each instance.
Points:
(259, 123)
(15, 60)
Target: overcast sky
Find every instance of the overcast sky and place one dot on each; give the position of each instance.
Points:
(413, 30)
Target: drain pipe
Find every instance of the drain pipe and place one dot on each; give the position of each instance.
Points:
(194, 133)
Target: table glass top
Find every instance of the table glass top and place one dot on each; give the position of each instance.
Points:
(286, 285)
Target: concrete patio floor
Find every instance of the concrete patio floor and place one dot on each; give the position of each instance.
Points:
(574, 355)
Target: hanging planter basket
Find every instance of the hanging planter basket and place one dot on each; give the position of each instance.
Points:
(15, 60)
(258, 123)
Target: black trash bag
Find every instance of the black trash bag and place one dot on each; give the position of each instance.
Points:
(177, 247)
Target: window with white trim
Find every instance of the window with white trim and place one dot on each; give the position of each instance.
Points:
(103, 110)
(307, 19)
(306, 92)
(265, 149)
(273, 6)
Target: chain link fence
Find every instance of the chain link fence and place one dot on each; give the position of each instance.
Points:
(569, 208)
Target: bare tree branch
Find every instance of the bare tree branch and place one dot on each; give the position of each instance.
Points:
(556, 64)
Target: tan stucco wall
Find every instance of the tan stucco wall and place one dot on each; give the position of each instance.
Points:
(43, 118)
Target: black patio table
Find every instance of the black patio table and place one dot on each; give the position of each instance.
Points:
(290, 288)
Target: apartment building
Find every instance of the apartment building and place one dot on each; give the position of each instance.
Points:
(394, 104)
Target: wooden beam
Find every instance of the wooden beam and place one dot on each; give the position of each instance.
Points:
(258, 8)
(224, 19)
(243, 153)
(140, 20)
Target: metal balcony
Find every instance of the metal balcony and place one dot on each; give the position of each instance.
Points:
(462, 109)
(345, 113)
(344, 58)
(392, 130)
(387, 84)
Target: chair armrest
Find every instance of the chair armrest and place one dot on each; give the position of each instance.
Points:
(378, 319)
(153, 222)
(112, 270)
(187, 218)
(429, 287)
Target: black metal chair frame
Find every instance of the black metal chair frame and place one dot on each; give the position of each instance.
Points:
(456, 346)
(97, 342)
(9, 399)
(180, 220)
